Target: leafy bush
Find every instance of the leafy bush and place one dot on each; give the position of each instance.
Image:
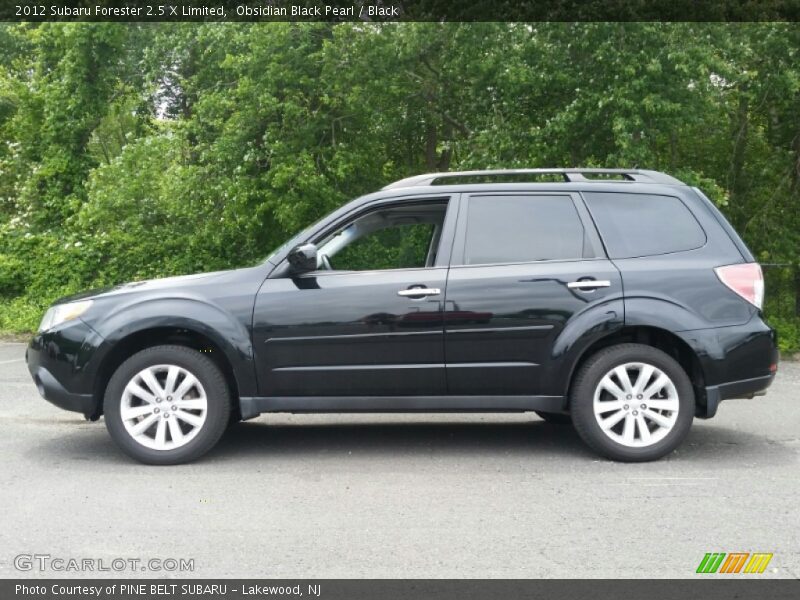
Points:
(13, 279)
(788, 333)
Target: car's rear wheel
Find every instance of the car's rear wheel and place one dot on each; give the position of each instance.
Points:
(167, 405)
(632, 403)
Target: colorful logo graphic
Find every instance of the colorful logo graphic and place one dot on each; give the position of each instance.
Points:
(736, 562)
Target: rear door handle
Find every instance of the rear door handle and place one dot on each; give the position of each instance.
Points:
(588, 284)
(419, 292)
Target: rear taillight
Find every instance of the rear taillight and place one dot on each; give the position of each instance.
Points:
(746, 280)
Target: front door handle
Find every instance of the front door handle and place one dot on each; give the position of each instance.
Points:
(588, 284)
(412, 292)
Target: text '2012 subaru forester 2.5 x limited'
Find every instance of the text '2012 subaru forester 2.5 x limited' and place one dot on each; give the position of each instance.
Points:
(619, 300)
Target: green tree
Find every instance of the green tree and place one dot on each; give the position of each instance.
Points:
(140, 150)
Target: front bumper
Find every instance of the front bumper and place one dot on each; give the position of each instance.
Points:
(52, 391)
(59, 363)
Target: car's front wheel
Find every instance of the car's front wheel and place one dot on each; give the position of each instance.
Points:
(167, 405)
(632, 403)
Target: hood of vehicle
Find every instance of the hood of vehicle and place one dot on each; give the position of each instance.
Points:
(164, 284)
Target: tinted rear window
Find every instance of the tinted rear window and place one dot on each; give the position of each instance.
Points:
(643, 224)
(508, 229)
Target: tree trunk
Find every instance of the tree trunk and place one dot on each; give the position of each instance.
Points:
(740, 131)
(447, 152)
(797, 290)
(430, 147)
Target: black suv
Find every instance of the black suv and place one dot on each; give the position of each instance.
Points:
(619, 300)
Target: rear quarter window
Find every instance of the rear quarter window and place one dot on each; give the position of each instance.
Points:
(634, 225)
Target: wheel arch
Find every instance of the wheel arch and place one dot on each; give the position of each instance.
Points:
(656, 337)
(234, 361)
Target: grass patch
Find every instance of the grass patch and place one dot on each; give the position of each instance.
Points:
(19, 317)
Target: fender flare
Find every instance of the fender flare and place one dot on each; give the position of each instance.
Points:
(586, 330)
(581, 332)
(183, 312)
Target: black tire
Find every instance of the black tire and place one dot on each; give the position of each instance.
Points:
(233, 420)
(582, 399)
(555, 418)
(218, 410)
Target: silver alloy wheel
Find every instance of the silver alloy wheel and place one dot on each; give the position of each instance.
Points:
(636, 404)
(163, 407)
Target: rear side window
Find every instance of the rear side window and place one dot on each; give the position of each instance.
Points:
(643, 224)
(508, 229)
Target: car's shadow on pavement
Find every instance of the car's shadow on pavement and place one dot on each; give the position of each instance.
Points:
(529, 439)
(533, 439)
(387, 438)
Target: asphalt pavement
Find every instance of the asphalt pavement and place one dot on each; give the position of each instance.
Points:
(384, 496)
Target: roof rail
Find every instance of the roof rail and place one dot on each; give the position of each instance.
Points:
(569, 175)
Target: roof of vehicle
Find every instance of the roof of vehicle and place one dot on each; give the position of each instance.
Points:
(572, 175)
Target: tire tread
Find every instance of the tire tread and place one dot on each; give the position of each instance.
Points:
(216, 389)
(581, 414)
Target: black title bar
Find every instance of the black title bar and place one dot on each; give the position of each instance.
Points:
(398, 10)
(396, 589)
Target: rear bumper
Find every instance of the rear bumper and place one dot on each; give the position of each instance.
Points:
(735, 362)
(744, 388)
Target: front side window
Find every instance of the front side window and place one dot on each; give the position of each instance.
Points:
(395, 237)
(510, 229)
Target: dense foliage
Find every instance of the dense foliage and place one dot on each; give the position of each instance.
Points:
(134, 151)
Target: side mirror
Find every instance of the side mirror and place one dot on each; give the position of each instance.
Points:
(303, 258)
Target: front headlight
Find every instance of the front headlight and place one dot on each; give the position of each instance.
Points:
(61, 313)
